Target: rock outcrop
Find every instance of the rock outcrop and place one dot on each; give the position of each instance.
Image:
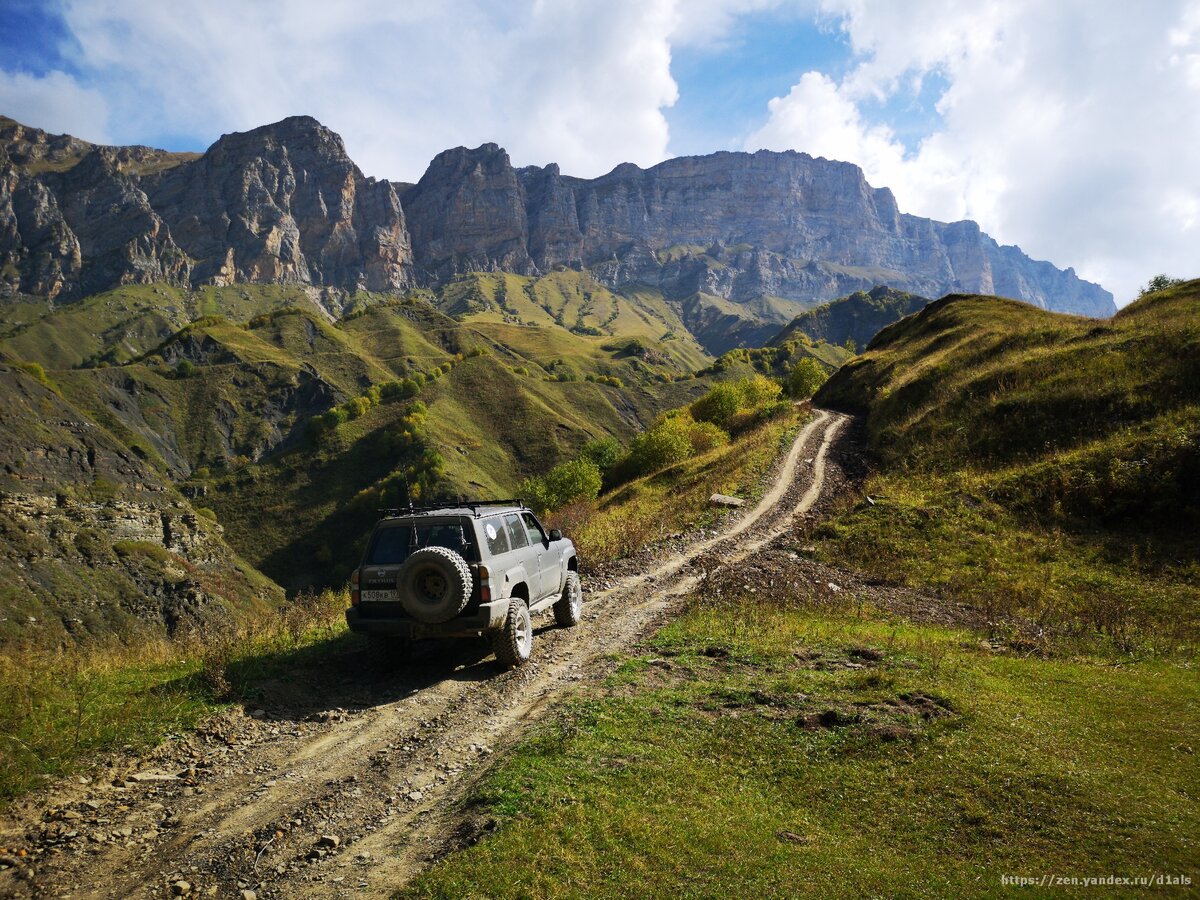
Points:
(284, 204)
(93, 539)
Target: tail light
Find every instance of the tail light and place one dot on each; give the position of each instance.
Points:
(355, 593)
(485, 589)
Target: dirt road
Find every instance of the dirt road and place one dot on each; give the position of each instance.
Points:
(345, 781)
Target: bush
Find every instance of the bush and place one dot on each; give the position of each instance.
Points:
(705, 436)
(606, 453)
(185, 368)
(569, 482)
(805, 378)
(206, 513)
(665, 444)
(732, 405)
(719, 405)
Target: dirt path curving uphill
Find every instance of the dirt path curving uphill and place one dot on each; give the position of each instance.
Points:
(345, 781)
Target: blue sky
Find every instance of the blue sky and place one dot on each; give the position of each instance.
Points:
(1009, 112)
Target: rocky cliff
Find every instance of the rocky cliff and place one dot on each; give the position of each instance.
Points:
(734, 225)
(284, 204)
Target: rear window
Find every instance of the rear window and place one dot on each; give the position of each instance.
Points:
(392, 545)
(516, 532)
(496, 536)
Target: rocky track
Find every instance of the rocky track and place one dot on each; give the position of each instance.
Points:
(346, 781)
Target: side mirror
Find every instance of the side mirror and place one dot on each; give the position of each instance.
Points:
(555, 534)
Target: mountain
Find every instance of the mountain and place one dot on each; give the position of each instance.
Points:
(770, 233)
(282, 204)
(94, 538)
(857, 317)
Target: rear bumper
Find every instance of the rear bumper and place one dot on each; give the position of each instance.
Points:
(489, 617)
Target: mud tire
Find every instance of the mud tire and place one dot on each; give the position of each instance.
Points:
(568, 611)
(513, 644)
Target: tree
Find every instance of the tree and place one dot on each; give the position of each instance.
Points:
(806, 376)
(1159, 283)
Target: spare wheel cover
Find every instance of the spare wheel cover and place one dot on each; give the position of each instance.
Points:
(434, 585)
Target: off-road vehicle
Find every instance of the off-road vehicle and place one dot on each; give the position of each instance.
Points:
(465, 568)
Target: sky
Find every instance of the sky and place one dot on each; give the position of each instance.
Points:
(1070, 128)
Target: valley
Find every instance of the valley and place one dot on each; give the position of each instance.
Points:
(947, 633)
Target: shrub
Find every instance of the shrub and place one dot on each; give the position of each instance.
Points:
(731, 405)
(606, 453)
(705, 436)
(804, 379)
(206, 513)
(185, 368)
(665, 444)
(569, 482)
(719, 405)
(358, 407)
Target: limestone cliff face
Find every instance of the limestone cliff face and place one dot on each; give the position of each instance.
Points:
(468, 213)
(282, 204)
(779, 224)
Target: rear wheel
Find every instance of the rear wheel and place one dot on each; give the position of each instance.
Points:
(568, 611)
(514, 642)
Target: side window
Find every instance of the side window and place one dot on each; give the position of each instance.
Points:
(496, 535)
(535, 530)
(516, 532)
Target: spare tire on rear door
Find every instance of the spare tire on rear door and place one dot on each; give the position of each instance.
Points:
(434, 584)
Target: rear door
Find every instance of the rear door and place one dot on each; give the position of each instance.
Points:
(529, 553)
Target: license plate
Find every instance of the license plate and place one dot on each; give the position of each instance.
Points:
(379, 596)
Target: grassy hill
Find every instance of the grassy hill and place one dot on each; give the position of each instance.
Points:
(293, 414)
(1040, 465)
(857, 317)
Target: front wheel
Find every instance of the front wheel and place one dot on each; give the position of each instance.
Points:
(568, 611)
(514, 642)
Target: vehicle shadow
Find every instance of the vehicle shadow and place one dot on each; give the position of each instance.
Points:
(345, 674)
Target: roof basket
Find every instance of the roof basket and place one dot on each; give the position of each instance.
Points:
(473, 505)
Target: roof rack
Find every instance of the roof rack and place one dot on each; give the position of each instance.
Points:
(473, 505)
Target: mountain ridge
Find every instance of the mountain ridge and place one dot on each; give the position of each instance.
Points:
(284, 204)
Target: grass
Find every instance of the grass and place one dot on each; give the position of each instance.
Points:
(757, 749)
(1043, 467)
(59, 711)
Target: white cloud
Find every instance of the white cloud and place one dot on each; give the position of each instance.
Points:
(56, 102)
(1067, 128)
(579, 82)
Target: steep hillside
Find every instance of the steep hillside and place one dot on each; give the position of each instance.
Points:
(93, 538)
(294, 428)
(284, 204)
(857, 317)
(1043, 465)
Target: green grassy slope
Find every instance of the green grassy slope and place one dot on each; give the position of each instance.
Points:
(778, 750)
(94, 539)
(1044, 465)
(857, 317)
